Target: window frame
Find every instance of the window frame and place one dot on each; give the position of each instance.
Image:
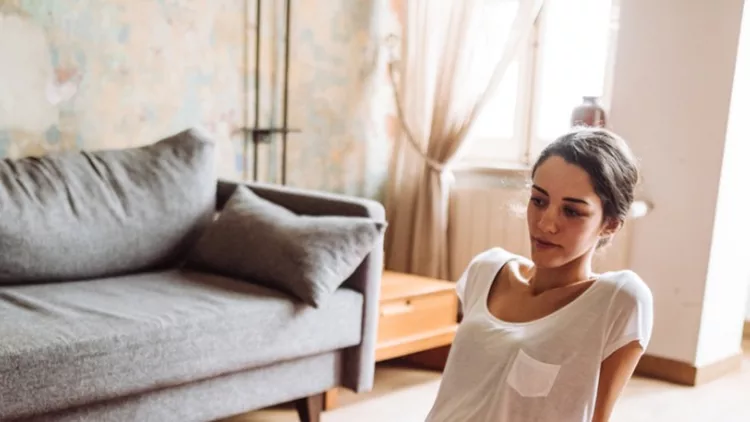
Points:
(484, 152)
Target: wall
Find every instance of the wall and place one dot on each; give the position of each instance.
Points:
(726, 288)
(740, 148)
(728, 274)
(671, 94)
(119, 73)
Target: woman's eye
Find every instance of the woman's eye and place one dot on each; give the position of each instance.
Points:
(570, 212)
(537, 201)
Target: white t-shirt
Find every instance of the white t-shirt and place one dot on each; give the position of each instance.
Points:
(545, 370)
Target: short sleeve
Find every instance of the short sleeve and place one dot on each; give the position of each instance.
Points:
(630, 316)
(480, 271)
(462, 282)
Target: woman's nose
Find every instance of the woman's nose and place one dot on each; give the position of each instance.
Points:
(548, 221)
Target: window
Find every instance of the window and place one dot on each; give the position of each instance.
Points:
(567, 57)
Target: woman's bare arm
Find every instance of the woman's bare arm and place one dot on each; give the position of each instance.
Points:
(615, 372)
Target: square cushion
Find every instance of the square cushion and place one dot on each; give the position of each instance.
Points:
(306, 256)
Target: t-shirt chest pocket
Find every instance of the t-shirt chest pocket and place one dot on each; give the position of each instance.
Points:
(531, 377)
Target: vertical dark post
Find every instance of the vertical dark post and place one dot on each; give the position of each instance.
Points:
(257, 87)
(285, 126)
(245, 87)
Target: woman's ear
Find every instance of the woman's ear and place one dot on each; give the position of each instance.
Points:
(611, 226)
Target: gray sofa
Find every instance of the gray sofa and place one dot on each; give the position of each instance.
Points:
(101, 320)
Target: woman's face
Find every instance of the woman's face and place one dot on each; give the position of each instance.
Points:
(564, 214)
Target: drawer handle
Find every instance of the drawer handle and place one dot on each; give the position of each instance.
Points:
(396, 309)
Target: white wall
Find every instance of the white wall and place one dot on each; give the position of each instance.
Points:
(725, 301)
(671, 93)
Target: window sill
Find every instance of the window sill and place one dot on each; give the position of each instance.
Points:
(506, 175)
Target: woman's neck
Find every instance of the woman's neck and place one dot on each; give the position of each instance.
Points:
(551, 278)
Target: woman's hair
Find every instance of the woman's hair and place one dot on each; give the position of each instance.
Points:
(607, 159)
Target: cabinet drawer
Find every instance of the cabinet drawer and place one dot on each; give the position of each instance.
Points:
(409, 316)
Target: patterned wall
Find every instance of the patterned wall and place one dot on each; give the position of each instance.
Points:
(99, 74)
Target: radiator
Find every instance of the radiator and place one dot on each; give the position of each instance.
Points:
(490, 215)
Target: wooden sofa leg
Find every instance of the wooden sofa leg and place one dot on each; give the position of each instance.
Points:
(310, 408)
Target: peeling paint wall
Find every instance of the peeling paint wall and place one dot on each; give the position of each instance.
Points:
(111, 74)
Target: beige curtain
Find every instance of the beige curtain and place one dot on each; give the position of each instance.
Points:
(453, 52)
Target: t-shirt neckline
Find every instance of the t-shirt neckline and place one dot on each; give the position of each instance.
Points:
(496, 320)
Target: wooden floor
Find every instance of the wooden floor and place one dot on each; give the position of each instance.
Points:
(403, 394)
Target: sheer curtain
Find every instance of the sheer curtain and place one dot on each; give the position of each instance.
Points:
(454, 52)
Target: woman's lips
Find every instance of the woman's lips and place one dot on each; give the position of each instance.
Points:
(543, 244)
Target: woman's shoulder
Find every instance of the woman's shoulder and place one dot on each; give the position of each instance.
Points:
(480, 272)
(490, 261)
(628, 285)
(495, 256)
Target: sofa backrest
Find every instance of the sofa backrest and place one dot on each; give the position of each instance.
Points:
(79, 215)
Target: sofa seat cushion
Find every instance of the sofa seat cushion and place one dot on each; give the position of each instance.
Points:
(75, 343)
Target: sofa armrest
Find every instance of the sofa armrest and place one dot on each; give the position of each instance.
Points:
(359, 361)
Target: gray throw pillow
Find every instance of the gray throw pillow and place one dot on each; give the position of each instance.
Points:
(307, 256)
(86, 214)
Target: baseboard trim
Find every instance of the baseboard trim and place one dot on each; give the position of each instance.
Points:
(684, 373)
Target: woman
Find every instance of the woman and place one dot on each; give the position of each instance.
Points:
(547, 339)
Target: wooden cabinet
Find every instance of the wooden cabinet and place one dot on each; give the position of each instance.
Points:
(417, 314)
